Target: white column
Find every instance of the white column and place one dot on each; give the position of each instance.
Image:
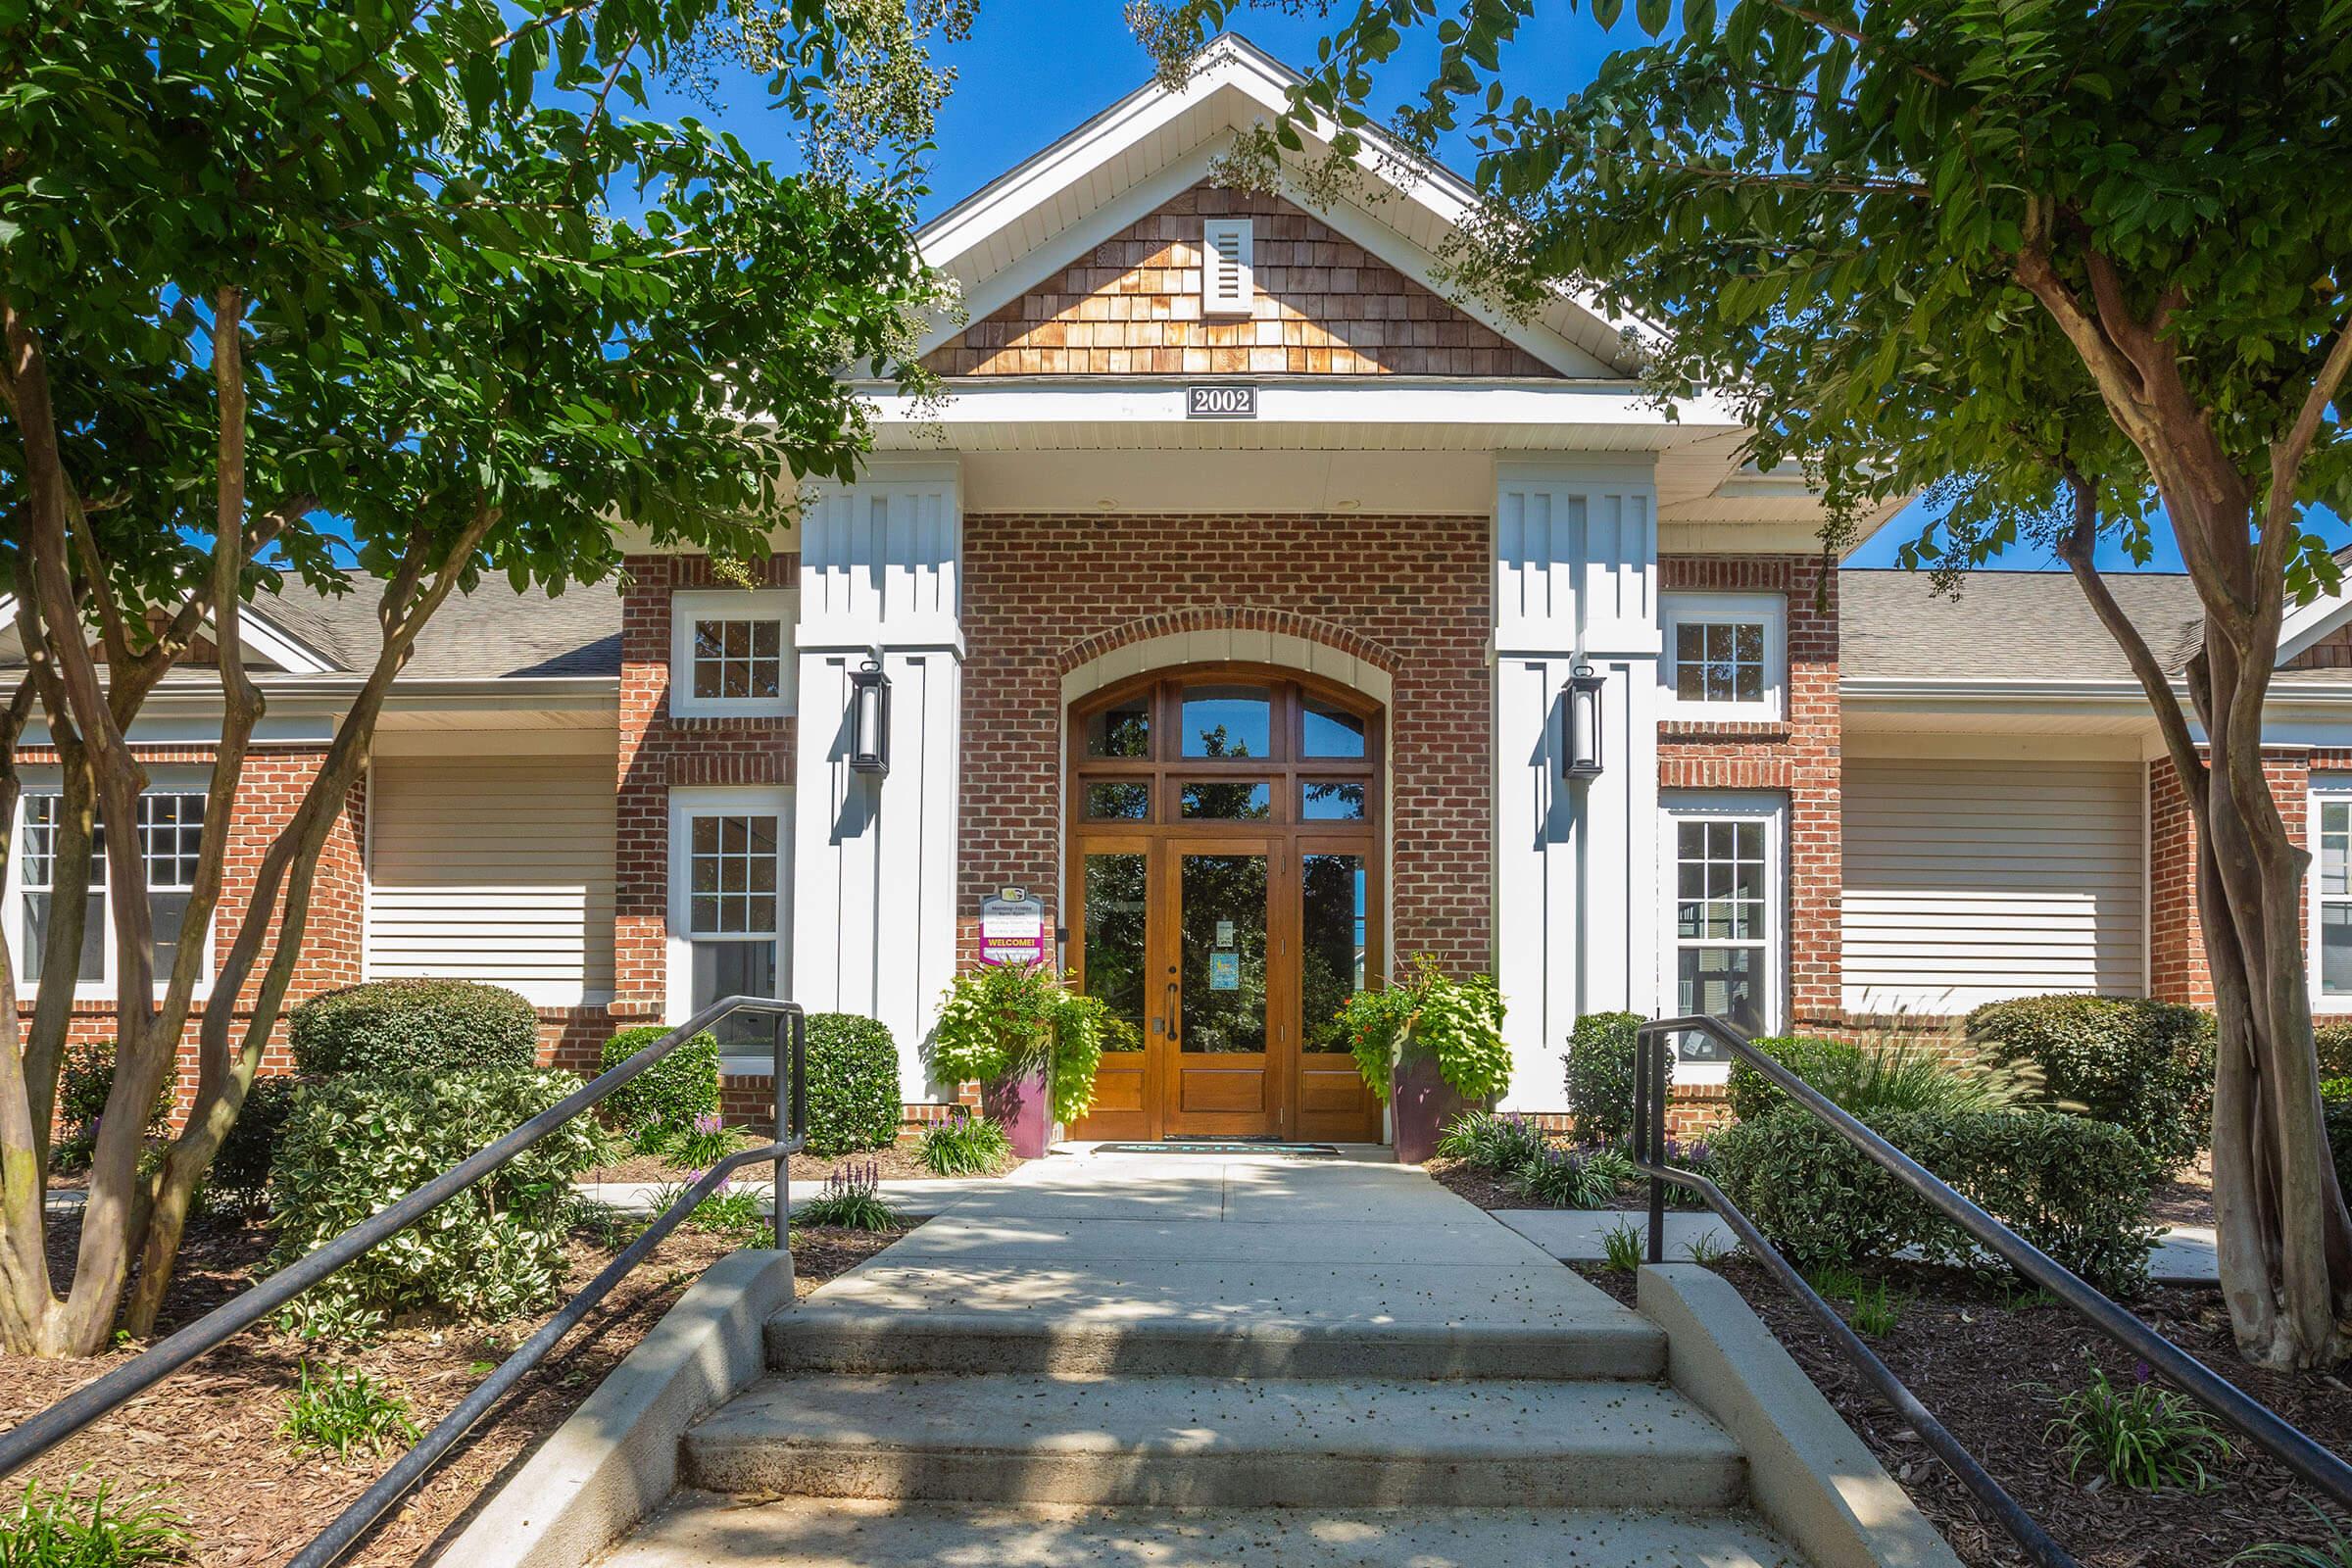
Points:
(873, 908)
(1575, 862)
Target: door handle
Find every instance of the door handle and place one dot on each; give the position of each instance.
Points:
(1168, 1009)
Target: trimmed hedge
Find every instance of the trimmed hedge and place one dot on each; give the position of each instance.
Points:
(1600, 1076)
(2144, 1065)
(413, 1026)
(2076, 1189)
(240, 1172)
(85, 1080)
(670, 1093)
(853, 1084)
(2336, 1102)
(1752, 1096)
(357, 1141)
(2334, 1035)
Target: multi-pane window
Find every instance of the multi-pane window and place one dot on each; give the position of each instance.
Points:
(730, 913)
(170, 837)
(1725, 656)
(1719, 662)
(731, 653)
(736, 661)
(1725, 920)
(2333, 872)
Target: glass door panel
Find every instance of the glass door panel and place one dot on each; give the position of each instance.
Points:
(1223, 1002)
(1331, 949)
(1113, 965)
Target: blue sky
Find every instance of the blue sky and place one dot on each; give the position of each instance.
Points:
(1033, 70)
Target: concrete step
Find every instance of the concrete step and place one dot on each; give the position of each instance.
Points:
(1195, 1442)
(703, 1531)
(848, 1335)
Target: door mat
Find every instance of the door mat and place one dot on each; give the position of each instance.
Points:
(1221, 1145)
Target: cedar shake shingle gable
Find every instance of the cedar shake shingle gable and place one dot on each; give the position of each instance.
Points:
(1324, 306)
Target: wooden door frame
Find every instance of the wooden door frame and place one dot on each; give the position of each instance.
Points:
(1284, 835)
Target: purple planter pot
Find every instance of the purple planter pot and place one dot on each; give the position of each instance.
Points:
(1421, 1106)
(1021, 1105)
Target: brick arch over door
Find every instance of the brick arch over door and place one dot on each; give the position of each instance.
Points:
(1049, 595)
(1225, 634)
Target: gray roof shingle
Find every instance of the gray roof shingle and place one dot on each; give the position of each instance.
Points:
(2017, 625)
(492, 633)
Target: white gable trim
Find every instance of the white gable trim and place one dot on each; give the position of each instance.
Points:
(1009, 204)
(2307, 624)
(275, 647)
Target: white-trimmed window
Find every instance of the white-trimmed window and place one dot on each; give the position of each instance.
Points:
(1726, 916)
(731, 653)
(1725, 655)
(729, 905)
(2332, 895)
(171, 832)
(1228, 284)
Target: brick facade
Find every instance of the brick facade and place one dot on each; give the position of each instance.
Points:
(1797, 757)
(1036, 589)
(1324, 306)
(657, 750)
(2176, 967)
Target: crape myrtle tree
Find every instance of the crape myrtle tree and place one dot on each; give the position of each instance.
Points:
(2076, 271)
(418, 287)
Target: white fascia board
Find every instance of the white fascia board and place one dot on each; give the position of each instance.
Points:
(2306, 624)
(1392, 400)
(279, 646)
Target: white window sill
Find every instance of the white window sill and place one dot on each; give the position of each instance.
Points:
(723, 708)
(1678, 712)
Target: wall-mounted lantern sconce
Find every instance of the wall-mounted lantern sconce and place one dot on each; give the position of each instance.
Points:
(1581, 754)
(869, 719)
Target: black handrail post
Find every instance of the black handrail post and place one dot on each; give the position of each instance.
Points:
(1653, 1051)
(780, 1179)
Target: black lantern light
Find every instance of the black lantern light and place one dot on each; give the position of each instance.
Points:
(869, 719)
(1581, 752)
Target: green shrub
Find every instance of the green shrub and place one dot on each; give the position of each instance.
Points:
(2333, 1037)
(240, 1173)
(344, 1412)
(1456, 1019)
(358, 1141)
(853, 1084)
(1002, 1020)
(968, 1145)
(2337, 1106)
(851, 1201)
(2138, 1434)
(1600, 1076)
(84, 1079)
(2075, 1188)
(1867, 1081)
(1567, 1177)
(107, 1527)
(413, 1026)
(1495, 1142)
(2144, 1065)
(669, 1094)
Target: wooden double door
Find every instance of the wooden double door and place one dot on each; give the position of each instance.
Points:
(1224, 887)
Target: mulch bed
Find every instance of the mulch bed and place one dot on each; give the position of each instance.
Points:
(209, 1433)
(1992, 1368)
(895, 1163)
(2187, 1198)
(1491, 1191)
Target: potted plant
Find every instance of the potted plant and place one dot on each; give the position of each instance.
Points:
(1030, 1042)
(1432, 1047)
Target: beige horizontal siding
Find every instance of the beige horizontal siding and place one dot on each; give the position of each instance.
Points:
(1970, 882)
(495, 869)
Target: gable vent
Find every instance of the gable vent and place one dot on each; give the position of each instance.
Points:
(1226, 287)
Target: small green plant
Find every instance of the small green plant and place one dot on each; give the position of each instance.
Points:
(1564, 1178)
(1622, 1248)
(1496, 1142)
(1004, 1020)
(83, 1083)
(1705, 1250)
(702, 1142)
(851, 1201)
(1835, 1282)
(1872, 1080)
(1876, 1310)
(345, 1411)
(968, 1145)
(2137, 1434)
(729, 1212)
(104, 1527)
(2334, 1552)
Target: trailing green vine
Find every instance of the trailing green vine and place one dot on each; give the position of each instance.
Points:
(1002, 1020)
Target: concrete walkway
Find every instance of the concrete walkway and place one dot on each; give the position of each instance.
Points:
(1190, 1359)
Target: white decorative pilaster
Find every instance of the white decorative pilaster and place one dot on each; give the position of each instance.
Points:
(873, 907)
(1575, 862)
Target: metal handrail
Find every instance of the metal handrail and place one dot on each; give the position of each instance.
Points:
(26, 1442)
(2290, 1445)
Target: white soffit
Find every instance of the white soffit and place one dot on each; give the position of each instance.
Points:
(1157, 142)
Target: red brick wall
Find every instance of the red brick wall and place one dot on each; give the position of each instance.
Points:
(2176, 967)
(657, 750)
(1035, 587)
(1325, 306)
(1798, 757)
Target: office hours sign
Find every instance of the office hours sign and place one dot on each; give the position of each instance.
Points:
(1012, 928)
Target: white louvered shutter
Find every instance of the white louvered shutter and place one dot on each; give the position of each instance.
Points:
(1226, 288)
